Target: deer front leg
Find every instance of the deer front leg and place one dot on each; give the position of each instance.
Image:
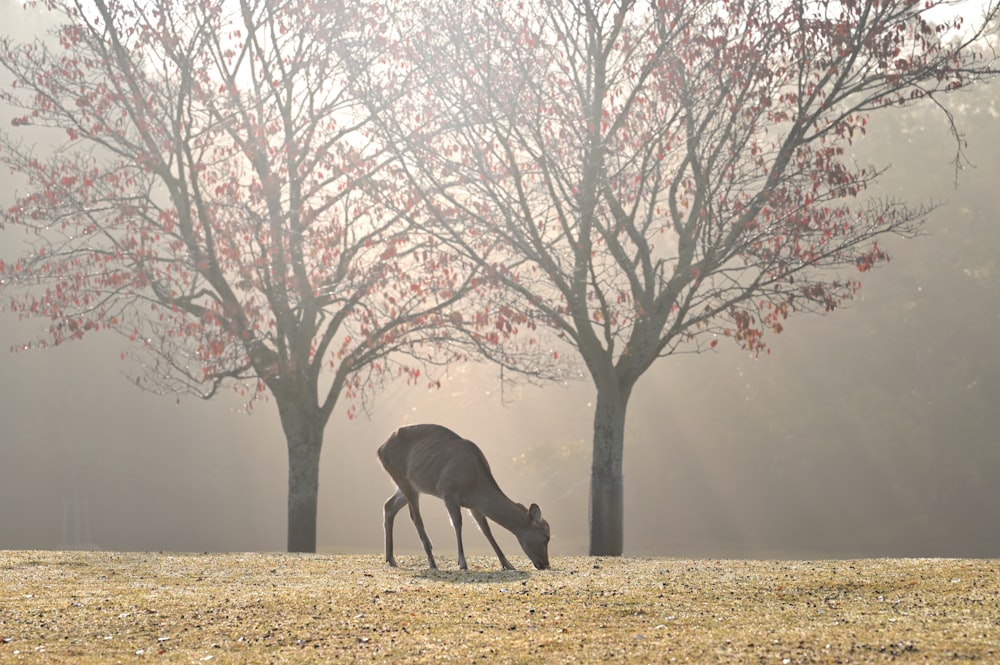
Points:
(418, 522)
(484, 526)
(392, 506)
(455, 510)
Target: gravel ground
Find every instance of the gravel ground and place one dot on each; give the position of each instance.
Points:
(104, 607)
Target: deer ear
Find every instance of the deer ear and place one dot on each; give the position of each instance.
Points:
(534, 513)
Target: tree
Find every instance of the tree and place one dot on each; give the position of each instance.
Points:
(215, 197)
(652, 177)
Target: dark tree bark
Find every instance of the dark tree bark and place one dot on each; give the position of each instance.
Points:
(303, 428)
(607, 483)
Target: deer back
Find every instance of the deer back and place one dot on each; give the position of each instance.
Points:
(434, 460)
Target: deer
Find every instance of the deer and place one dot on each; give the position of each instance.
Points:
(432, 459)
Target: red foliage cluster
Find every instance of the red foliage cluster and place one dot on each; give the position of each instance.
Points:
(220, 201)
(264, 192)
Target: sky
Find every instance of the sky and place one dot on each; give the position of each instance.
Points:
(864, 433)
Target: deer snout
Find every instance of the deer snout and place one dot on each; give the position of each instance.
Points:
(541, 564)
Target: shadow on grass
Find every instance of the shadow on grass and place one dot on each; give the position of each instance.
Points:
(483, 570)
(472, 576)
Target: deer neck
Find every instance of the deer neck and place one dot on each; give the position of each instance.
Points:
(496, 506)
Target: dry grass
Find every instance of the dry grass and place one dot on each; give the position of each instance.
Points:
(241, 608)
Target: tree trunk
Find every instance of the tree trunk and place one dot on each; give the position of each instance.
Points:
(607, 526)
(304, 434)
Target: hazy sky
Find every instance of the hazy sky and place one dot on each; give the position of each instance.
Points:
(725, 455)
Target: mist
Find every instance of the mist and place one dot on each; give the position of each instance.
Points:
(867, 432)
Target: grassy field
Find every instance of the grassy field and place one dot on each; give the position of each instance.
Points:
(99, 607)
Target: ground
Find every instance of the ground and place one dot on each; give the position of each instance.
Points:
(102, 607)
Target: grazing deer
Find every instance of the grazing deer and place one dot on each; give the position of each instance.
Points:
(434, 460)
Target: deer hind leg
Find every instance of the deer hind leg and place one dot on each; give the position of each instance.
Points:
(455, 511)
(392, 506)
(418, 522)
(484, 526)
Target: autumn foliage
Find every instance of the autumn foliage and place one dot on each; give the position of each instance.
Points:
(215, 197)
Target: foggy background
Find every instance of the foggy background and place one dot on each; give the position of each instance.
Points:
(868, 432)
